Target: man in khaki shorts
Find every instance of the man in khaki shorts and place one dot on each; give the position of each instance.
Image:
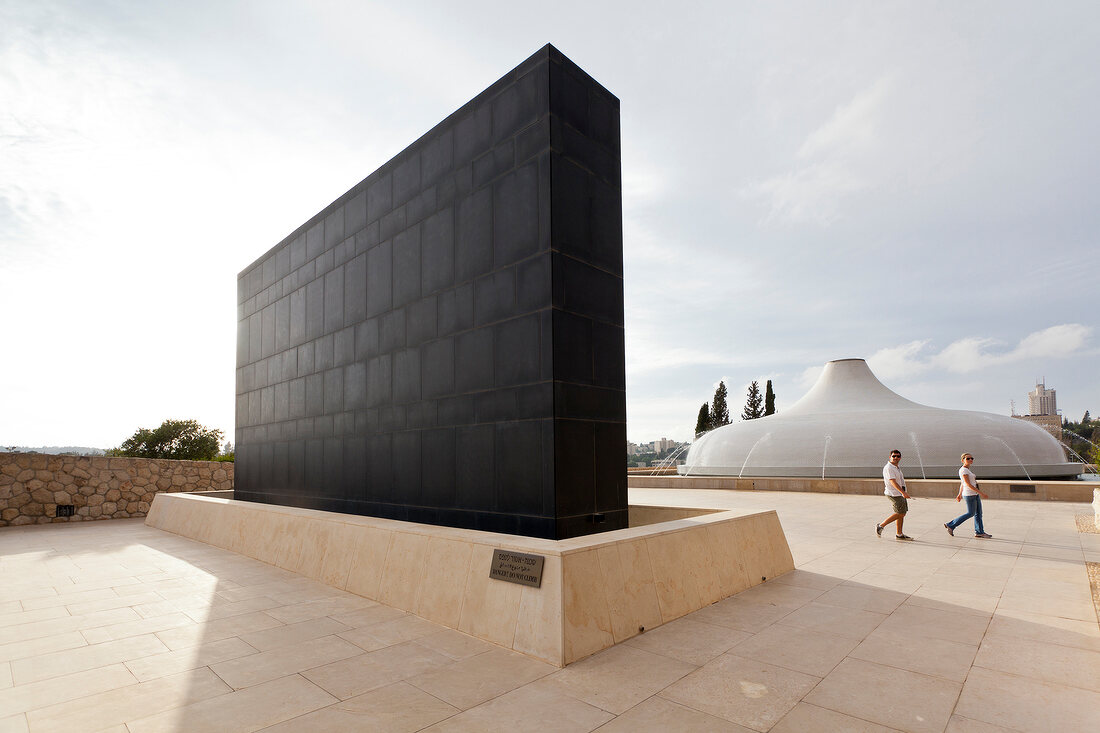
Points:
(895, 492)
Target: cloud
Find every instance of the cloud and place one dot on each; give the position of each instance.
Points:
(652, 417)
(809, 194)
(642, 358)
(964, 355)
(853, 128)
(973, 354)
(835, 161)
(899, 361)
(809, 376)
(1055, 342)
(643, 186)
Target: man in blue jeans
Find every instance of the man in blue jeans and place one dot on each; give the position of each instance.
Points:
(968, 489)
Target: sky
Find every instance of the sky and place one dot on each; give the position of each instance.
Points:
(913, 183)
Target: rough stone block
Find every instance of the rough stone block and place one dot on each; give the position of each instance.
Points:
(440, 328)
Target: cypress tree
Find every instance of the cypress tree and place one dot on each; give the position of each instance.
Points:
(720, 413)
(769, 399)
(702, 423)
(754, 403)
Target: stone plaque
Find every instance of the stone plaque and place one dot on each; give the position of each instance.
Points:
(517, 567)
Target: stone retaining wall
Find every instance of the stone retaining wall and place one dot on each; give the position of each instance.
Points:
(34, 485)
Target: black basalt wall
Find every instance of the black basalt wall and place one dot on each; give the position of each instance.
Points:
(444, 342)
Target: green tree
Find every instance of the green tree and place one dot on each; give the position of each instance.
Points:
(227, 455)
(769, 399)
(181, 440)
(754, 403)
(702, 423)
(1092, 456)
(719, 411)
(1085, 419)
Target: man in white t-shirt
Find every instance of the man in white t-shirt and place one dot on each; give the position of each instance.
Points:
(896, 493)
(968, 490)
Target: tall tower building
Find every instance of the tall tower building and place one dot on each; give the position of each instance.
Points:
(1042, 408)
(1042, 401)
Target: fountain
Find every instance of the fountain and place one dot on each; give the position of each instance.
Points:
(1080, 437)
(916, 446)
(1006, 445)
(669, 460)
(1076, 455)
(749, 454)
(1095, 465)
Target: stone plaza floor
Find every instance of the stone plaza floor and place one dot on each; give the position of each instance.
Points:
(116, 627)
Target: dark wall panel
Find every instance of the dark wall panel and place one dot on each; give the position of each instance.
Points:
(444, 343)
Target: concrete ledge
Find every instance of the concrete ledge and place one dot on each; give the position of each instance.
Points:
(1077, 491)
(215, 494)
(596, 591)
(641, 516)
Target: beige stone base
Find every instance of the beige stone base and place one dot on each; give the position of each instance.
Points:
(1081, 491)
(596, 591)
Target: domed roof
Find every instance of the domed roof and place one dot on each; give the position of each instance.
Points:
(848, 423)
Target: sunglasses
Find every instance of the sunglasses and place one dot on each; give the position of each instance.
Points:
(969, 458)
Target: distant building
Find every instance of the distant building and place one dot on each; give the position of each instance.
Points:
(1042, 408)
(1050, 423)
(654, 446)
(1042, 401)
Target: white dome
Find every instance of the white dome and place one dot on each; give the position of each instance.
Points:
(848, 423)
